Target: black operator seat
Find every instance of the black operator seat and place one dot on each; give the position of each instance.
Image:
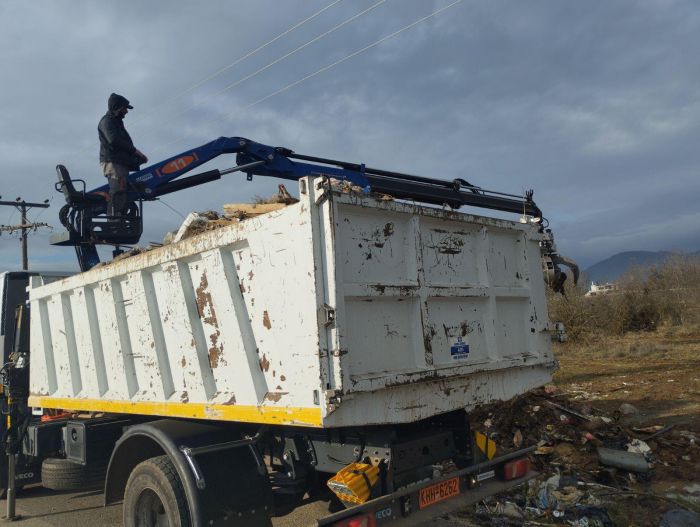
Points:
(73, 196)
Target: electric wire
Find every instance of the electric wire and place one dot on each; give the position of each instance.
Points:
(234, 63)
(353, 54)
(323, 69)
(160, 200)
(270, 64)
(201, 82)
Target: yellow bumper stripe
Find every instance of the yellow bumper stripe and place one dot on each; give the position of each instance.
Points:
(214, 412)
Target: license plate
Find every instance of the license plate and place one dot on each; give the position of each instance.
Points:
(438, 492)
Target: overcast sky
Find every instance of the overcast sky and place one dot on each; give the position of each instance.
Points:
(595, 105)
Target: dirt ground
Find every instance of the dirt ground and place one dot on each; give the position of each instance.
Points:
(657, 372)
(606, 393)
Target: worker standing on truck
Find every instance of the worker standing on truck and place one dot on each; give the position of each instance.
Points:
(118, 155)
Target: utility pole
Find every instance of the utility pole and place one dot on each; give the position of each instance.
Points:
(23, 206)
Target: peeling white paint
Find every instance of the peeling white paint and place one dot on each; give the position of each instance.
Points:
(387, 311)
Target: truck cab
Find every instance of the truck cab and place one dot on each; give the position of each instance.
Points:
(13, 293)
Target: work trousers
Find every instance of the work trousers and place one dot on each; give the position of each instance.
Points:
(116, 176)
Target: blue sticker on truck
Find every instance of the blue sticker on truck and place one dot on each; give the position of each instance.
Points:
(459, 350)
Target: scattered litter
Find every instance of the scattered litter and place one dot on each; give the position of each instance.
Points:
(590, 438)
(544, 450)
(625, 460)
(569, 411)
(693, 489)
(628, 409)
(680, 518)
(647, 429)
(690, 436)
(638, 446)
(518, 439)
(510, 510)
(590, 463)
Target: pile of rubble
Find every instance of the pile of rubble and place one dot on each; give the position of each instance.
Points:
(199, 222)
(595, 470)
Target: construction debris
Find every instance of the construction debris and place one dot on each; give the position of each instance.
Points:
(632, 461)
(680, 518)
(594, 467)
(248, 210)
(628, 409)
(198, 222)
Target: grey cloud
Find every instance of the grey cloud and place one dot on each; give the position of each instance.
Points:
(595, 105)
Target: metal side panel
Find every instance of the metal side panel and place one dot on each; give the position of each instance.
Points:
(223, 325)
(437, 310)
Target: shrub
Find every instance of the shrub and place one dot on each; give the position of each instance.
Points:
(645, 299)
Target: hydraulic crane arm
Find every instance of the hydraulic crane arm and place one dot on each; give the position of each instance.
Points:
(262, 160)
(84, 215)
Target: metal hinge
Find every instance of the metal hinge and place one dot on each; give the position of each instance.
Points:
(327, 315)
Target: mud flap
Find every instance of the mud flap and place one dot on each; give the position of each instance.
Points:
(237, 492)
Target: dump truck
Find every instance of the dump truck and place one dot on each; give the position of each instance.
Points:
(337, 342)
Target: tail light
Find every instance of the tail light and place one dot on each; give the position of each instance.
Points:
(363, 520)
(516, 469)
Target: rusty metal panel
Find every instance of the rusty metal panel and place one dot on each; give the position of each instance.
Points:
(339, 310)
(220, 322)
(437, 310)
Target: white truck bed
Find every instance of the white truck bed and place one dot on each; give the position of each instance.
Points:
(339, 310)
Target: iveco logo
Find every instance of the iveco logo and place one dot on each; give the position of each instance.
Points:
(26, 475)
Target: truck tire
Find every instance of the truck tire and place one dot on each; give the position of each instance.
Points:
(154, 496)
(62, 474)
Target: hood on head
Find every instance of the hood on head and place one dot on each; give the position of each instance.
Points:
(118, 101)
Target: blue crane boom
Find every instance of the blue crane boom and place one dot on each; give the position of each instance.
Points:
(84, 214)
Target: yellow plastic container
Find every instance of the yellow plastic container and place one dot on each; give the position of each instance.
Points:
(354, 483)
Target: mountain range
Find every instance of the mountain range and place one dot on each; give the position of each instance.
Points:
(612, 268)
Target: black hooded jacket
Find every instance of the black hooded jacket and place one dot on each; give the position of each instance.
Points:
(116, 145)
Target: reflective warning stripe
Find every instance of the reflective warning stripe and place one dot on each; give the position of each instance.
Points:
(216, 412)
(486, 445)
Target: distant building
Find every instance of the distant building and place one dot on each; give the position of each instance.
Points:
(601, 289)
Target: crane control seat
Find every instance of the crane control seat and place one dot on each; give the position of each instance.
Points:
(72, 195)
(82, 214)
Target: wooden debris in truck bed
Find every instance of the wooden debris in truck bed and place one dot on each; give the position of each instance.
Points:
(261, 205)
(246, 210)
(197, 223)
(346, 187)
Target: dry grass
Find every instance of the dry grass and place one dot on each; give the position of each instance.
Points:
(647, 299)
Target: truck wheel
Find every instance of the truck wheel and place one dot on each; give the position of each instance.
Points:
(62, 474)
(154, 496)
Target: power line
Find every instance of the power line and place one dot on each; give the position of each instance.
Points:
(276, 61)
(329, 66)
(25, 226)
(160, 200)
(234, 63)
(226, 68)
(354, 54)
